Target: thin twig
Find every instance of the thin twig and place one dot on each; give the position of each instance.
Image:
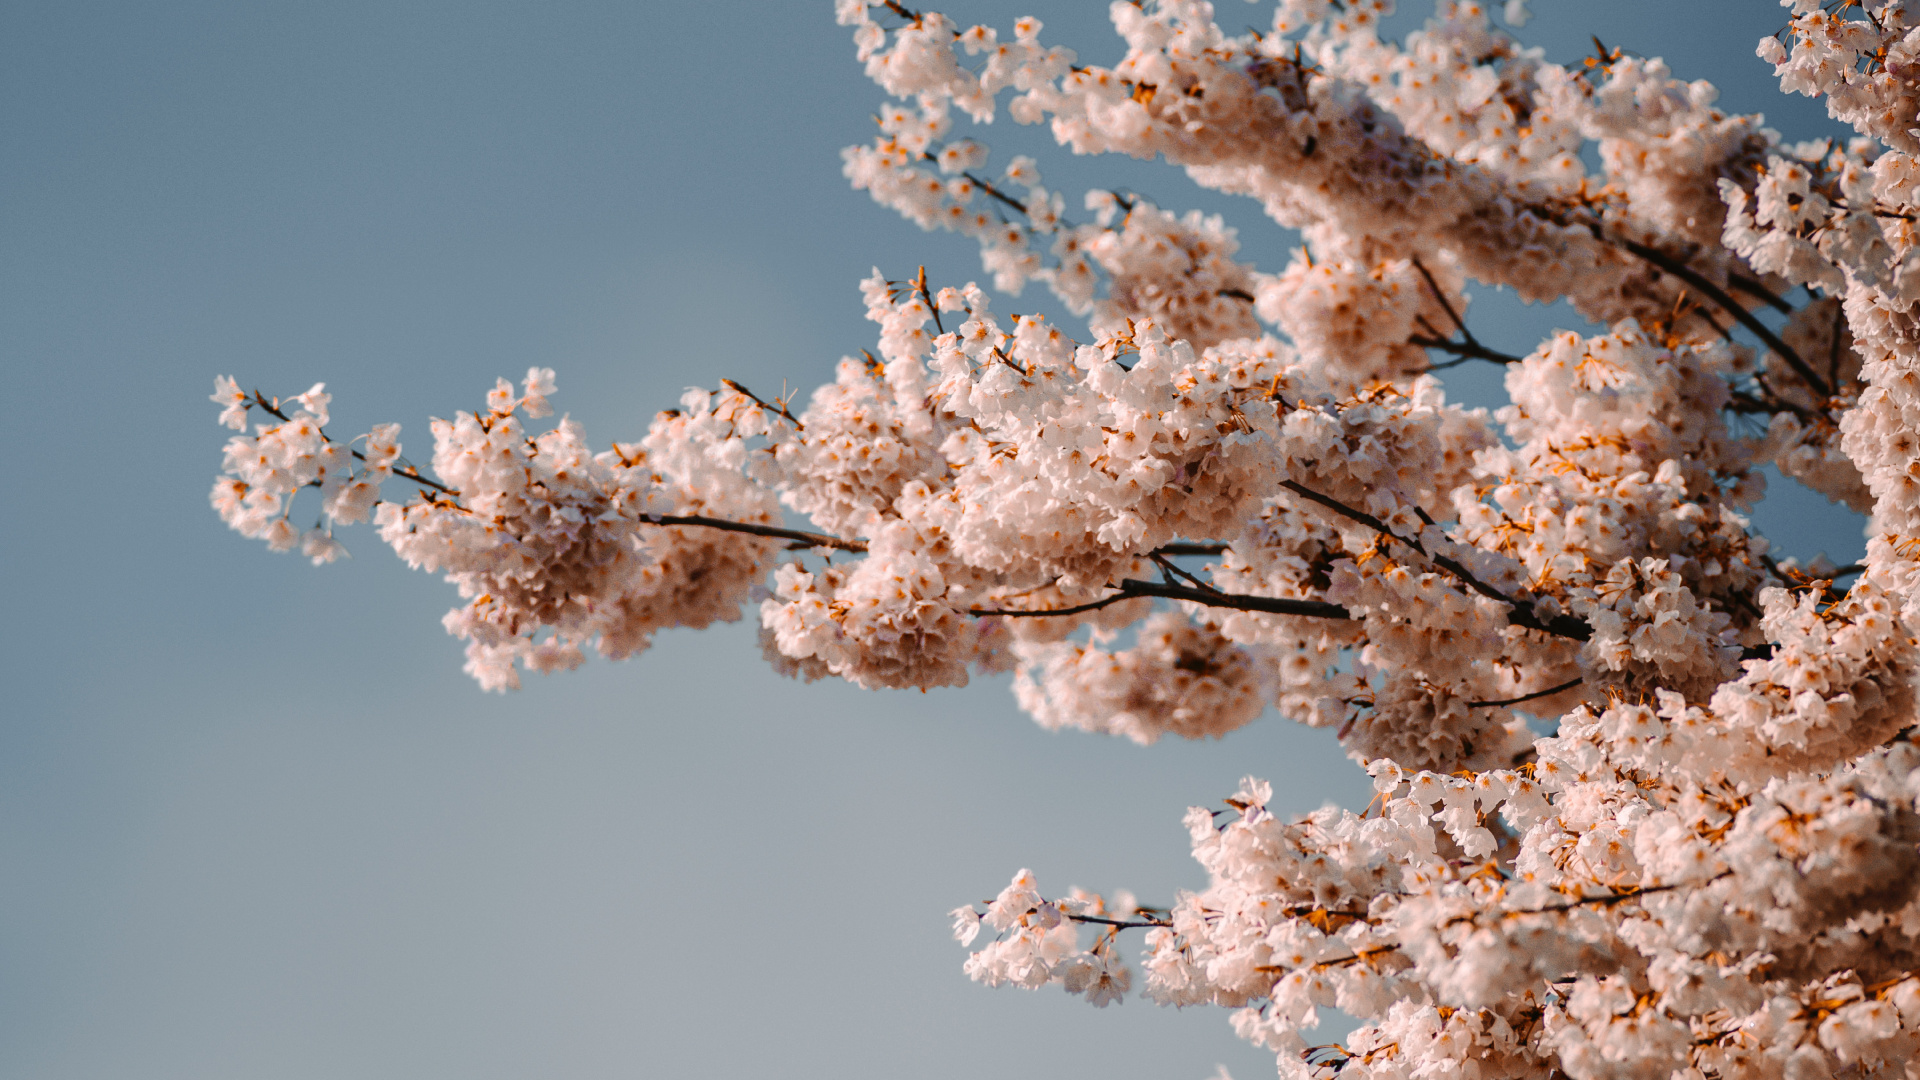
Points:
(1519, 613)
(810, 539)
(1167, 567)
(1537, 694)
(1131, 588)
(1615, 898)
(1833, 347)
(1719, 296)
(1093, 605)
(920, 285)
(998, 194)
(408, 473)
(1469, 347)
(1465, 350)
(1754, 289)
(755, 398)
(1119, 924)
(1189, 549)
(1445, 304)
(1743, 402)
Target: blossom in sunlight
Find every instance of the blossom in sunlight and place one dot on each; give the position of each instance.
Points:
(1234, 488)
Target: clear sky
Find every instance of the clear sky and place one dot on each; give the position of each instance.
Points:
(254, 822)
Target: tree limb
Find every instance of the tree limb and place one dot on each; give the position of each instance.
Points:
(1760, 292)
(1520, 613)
(409, 473)
(1537, 694)
(809, 539)
(1719, 296)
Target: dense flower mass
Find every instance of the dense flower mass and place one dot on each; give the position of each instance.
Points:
(1239, 488)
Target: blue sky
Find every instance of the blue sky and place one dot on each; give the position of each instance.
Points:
(255, 822)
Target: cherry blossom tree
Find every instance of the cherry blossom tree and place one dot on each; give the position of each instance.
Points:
(1236, 488)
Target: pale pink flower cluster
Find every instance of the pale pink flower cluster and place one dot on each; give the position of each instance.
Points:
(1181, 679)
(264, 471)
(550, 544)
(1238, 489)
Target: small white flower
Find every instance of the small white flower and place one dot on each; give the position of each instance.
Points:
(966, 924)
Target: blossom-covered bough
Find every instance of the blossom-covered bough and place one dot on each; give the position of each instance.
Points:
(1240, 488)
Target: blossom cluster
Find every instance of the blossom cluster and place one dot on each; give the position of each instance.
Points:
(1647, 801)
(551, 546)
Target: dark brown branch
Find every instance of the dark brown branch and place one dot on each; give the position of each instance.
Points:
(810, 539)
(1719, 296)
(1740, 401)
(1519, 613)
(1445, 304)
(1537, 694)
(1613, 898)
(1833, 347)
(1271, 605)
(1237, 294)
(920, 285)
(998, 194)
(1093, 605)
(1465, 350)
(1118, 924)
(408, 473)
(755, 398)
(1132, 588)
(1602, 901)
(1877, 210)
(1759, 292)
(1189, 549)
(1168, 568)
(1469, 347)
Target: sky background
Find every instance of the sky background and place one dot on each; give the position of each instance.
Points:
(255, 822)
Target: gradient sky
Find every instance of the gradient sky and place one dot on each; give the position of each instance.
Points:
(254, 822)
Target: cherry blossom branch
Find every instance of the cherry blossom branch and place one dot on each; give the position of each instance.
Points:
(755, 398)
(1610, 899)
(1168, 568)
(1118, 924)
(1519, 612)
(1745, 403)
(1469, 347)
(1833, 346)
(1727, 303)
(409, 473)
(1536, 695)
(1360, 955)
(825, 540)
(1607, 900)
(1132, 588)
(1465, 350)
(1188, 549)
(1759, 292)
(805, 539)
(920, 287)
(996, 193)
